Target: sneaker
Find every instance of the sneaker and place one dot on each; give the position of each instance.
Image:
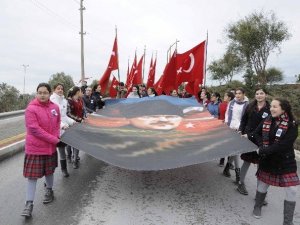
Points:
(49, 196)
(28, 209)
(242, 189)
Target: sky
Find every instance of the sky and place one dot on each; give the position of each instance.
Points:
(44, 34)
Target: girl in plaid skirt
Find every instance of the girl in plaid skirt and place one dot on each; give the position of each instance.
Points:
(277, 165)
(42, 120)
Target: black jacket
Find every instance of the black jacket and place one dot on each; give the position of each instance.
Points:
(251, 120)
(90, 103)
(99, 102)
(279, 157)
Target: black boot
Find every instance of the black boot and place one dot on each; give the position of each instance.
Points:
(28, 209)
(288, 212)
(221, 163)
(64, 169)
(75, 164)
(259, 199)
(49, 196)
(237, 175)
(242, 189)
(226, 171)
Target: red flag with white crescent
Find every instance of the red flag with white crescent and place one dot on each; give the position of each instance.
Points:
(113, 87)
(190, 65)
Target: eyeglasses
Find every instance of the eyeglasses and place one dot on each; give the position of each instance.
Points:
(43, 93)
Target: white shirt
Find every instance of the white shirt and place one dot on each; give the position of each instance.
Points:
(62, 104)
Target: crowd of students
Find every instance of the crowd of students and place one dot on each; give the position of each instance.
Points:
(271, 126)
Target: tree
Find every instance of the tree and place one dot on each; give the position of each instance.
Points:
(273, 75)
(9, 96)
(217, 70)
(225, 68)
(250, 79)
(94, 82)
(62, 78)
(298, 78)
(255, 37)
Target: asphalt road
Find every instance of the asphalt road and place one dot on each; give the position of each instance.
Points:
(98, 194)
(11, 130)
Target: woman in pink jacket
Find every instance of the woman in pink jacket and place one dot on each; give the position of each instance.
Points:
(42, 120)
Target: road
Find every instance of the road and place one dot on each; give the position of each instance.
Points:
(11, 130)
(98, 194)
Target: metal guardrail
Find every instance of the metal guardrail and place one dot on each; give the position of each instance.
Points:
(11, 114)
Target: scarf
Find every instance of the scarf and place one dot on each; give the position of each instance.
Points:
(281, 129)
(230, 109)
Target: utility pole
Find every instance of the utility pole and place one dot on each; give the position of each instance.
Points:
(117, 54)
(25, 67)
(144, 63)
(82, 41)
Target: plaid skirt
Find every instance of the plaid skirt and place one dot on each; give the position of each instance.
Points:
(37, 166)
(284, 180)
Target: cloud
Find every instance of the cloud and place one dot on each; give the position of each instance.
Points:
(44, 34)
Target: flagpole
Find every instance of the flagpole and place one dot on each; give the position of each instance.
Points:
(169, 50)
(117, 53)
(204, 75)
(144, 64)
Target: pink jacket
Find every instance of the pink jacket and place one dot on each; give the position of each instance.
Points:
(42, 122)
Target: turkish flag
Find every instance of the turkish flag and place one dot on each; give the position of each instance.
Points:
(190, 65)
(168, 82)
(130, 77)
(193, 88)
(151, 75)
(113, 62)
(157, 85)
(104, 80)
(138, 73)
(112, 65)
(113, 87)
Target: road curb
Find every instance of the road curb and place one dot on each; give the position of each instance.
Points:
(11, 150)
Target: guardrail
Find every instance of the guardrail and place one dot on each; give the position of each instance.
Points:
(11, 114)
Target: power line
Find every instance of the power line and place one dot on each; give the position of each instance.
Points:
(52, 13)
(77, 2)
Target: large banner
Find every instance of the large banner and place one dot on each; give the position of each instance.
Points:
(155, 134)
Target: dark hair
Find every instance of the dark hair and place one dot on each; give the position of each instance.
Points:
(240, 89)
(138, 89)
(207, 94)
(153, 90)
(73, 91)
(121, 84)
(252, 106)
(46, 85)
(57, 84)
(286, 106)
(83, 88)
(230, 95)
(95, 87)
(217, 95)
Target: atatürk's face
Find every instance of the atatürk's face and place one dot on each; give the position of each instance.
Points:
(156, 122)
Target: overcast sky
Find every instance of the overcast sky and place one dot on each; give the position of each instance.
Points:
(44, 34)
